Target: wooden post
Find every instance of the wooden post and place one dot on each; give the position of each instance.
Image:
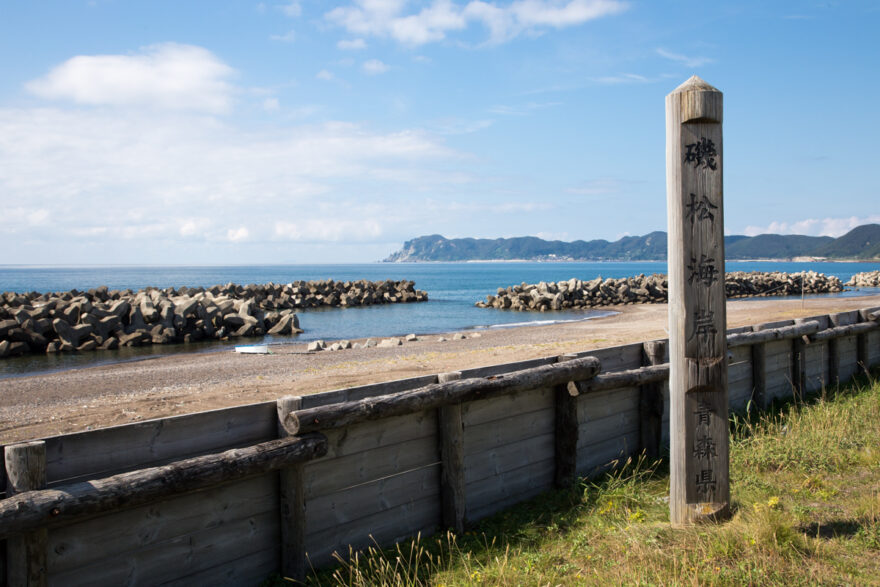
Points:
(651, 402)
(759, 375)
(699, 464)
(833, 362)
(862, 345)
(566, 430)
(452, 486)
(799, 363)
(26, 554)
(292, 503)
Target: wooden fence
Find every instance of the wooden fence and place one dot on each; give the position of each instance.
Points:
(229, 496)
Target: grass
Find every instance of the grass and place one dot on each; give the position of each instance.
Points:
(805, 488)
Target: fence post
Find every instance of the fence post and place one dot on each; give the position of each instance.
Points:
(566, 430)
(799, 363)
(699, 465)
(651, 402)
(26, 554)
(862, 344)
(292, 503)
(452, 486)
(759, 373)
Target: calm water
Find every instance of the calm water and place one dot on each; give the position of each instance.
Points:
(452, 289)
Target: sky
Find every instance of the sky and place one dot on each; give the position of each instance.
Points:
(311, 131)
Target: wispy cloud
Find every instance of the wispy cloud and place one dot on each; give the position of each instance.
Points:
(166, 76)
(374, 67)
(288, 37)
(440, 18)
(685, 59)
(813, 226)
(523, 109)
(458, 126)
(624, 78)
(351, 45)
(291, 9)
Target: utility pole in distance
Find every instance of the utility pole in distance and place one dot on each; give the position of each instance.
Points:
(699, 442)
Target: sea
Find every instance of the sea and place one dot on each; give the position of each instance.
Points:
(452, 288)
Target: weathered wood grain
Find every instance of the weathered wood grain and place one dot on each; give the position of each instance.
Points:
(417, 516)
(565, 430)
(478, 439)
(107, 451)
(486, 411)
(451, 439)
(436, 395)
(119, 534)
(699, 476)
(508, 457)
(36, 508)
(184, 555)
(651, 401)
(491, 494)
(26, 554)
(291, 503)
(773, 334)
(350, 505)
(326, 476)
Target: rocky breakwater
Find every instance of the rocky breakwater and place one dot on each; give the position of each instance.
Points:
(865, 279)
(647, 289)
(107, 319)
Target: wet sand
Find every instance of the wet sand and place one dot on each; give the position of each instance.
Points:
(82, 399)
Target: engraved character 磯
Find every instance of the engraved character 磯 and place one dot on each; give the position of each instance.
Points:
(702, 154)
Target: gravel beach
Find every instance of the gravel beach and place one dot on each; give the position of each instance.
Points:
(82, 399)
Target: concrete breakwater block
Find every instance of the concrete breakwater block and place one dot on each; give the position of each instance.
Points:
(650, 289)
(101, 318)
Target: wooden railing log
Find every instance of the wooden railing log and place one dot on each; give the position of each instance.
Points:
(628, 378)
(848, 330)
(439, 394)
(781, 333)
(33, 509)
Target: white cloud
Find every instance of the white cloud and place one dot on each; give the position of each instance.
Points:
(165, 76)
(328, 230)
(374, 67)
(688, 61)
(813, 226)
(237, 235)
(271, 104)
(351, 45)
(82, 182)
(432, 23)
(325, 75)
(623, 78)
(288, 37)
(522, 110)
(291, 9)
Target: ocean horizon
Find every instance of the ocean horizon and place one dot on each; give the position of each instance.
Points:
(453, 288)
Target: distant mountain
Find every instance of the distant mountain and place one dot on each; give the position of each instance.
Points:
(862, 242)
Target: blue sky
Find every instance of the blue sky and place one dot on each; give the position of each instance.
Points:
(310, 132)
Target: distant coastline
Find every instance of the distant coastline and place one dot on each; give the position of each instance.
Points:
(861, 244)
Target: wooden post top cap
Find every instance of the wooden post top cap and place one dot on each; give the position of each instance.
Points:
(695, 84)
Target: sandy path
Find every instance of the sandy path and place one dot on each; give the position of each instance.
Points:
(45, 405)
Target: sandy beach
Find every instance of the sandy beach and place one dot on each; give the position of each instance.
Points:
(45, 405)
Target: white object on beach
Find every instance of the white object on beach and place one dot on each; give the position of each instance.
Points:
(253, 349)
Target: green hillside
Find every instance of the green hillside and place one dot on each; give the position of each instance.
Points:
(862, 242)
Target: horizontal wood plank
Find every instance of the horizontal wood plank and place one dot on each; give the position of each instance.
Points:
(368, 499)
(120, 534)
(492, 494)
(478, 439)
(493, 410)
(508, 457)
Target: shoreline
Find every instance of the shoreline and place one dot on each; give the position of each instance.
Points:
(95, 397)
